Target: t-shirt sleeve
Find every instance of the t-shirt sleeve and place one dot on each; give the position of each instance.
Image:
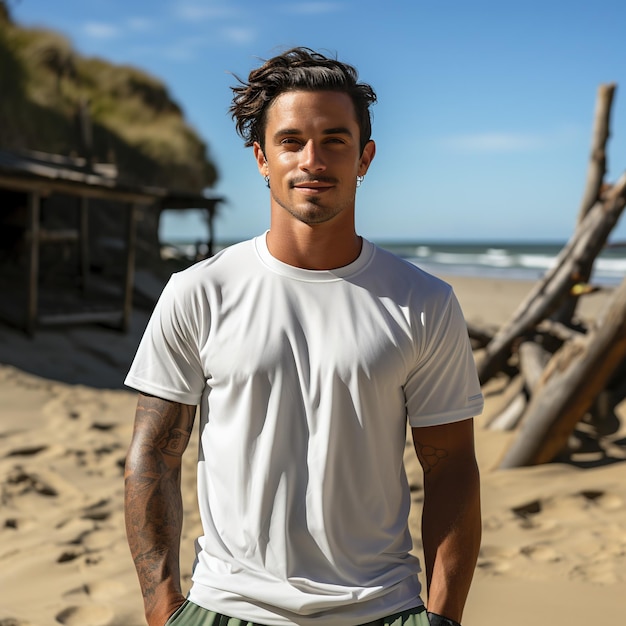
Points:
(443, 387)
(167, 363)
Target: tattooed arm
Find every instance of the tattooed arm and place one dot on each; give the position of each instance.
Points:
(153, 501)
(451, 523)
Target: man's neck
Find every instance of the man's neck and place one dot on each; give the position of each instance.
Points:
(318, 247)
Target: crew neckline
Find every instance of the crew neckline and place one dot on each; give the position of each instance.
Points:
(299, 273)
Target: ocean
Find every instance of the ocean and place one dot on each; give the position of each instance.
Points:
(512, 261)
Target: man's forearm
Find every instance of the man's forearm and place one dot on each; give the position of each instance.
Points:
(153, 503)
(153, 527)
(451, 532)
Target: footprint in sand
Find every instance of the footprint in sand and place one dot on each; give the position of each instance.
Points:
(70, 555)
(90, 615)
(99, 540)
(496, 559)
(105, 589)
(542, 553)
(19, 523)
(22, 482)
(11, 621)
(528, 512)
(609, 501)
(98, 590)
(44, 482)
(99, 511)
(27, 451)
(599, 572)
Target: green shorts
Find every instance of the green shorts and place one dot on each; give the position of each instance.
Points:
(190, 614)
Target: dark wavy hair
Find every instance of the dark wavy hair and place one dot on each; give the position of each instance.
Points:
(296, 69)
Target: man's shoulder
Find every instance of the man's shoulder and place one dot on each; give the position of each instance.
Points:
(230, 258)
(405, 272)
(194, 283)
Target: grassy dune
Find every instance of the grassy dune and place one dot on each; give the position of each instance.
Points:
(45, 83)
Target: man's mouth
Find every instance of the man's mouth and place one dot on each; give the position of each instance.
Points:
(314, 184)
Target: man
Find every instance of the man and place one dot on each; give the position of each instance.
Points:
(306, 349)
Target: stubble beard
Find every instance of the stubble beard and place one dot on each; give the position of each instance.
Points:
(312, 210)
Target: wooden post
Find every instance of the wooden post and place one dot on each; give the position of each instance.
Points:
(131, 242)
(85, 130)
(34, 207)
(83, 241)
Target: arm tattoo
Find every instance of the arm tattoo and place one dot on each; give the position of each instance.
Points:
(166, 425)
(153, 500)
(429, 456)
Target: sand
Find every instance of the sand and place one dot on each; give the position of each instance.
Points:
(554, 537)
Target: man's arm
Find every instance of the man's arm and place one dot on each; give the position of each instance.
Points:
(153, 501)
(451, 522)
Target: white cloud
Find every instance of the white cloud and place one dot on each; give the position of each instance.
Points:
(140, 24)
(195, 11)
(177, 53)
(183, 49)
(101, 30)
(312, 8)
(238, 35)
(510, 142)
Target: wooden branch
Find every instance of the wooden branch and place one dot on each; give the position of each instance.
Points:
(558, 330)
(593, 188)
(479, 335)
(575, 376)
(511, 415)
(597, 160)
(533, 359)
(549, 293)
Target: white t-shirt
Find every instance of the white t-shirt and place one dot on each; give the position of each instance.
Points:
(305, 381)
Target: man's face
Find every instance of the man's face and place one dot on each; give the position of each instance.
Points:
(312, 155)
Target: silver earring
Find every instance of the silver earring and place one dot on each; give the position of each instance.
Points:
(267, 181)
(359, 180)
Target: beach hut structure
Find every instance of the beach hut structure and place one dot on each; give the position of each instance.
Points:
(32, 244)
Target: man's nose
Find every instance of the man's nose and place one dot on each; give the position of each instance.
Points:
(311, 158)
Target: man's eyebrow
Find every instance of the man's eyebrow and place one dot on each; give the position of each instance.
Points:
(340, 130)
(287, 131)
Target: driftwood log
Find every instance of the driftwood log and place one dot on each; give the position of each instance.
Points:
(594, 187)
(562, 366)
(554, 295)
(551, 292)
(574, 377)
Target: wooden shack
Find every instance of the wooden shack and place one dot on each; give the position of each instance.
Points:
(47, 205)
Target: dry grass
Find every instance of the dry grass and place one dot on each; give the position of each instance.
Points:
(135, 121)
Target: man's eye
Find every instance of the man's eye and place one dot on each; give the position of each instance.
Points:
(289, 140)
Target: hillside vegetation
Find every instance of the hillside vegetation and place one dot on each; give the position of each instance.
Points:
(44, 84)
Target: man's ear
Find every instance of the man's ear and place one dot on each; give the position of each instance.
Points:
(261, 163)
(367, 156)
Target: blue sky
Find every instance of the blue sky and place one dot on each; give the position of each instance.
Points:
(485, 110)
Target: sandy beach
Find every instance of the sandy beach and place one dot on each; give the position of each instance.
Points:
(554, 537)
